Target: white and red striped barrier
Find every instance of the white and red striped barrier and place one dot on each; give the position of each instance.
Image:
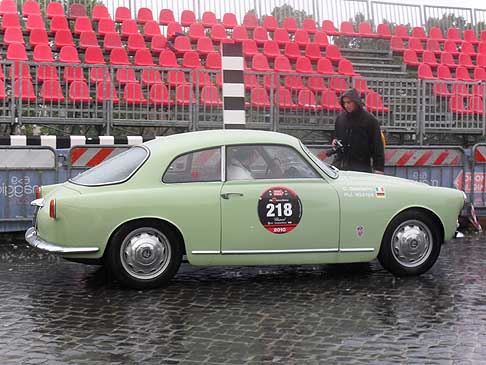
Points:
(90, 156)
(403, 157)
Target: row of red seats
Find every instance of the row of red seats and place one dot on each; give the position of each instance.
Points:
(397, 45)
(442, 89)
(31, 7)
(473, 106)
(444, 73)
(410, 58)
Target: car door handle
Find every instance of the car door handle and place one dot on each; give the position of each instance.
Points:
(228, 195)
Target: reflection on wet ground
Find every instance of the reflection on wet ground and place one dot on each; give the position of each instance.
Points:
(54, 311)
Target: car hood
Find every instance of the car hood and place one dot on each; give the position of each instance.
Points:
(366, 179)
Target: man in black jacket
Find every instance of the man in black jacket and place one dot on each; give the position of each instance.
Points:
(360, 135)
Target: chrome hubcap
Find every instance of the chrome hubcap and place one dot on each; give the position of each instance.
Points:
(145, 253)
(412, 243)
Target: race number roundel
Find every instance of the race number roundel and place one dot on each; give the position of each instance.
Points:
(279, 209)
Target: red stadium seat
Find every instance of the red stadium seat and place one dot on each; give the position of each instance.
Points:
(191, 60)
(333, 53)
(24, 90)
(396, 44)
(122, 14)
(416, 44)
(151, 29)
(125, 76)
(209, 19)
(461, 89)
(303, 65)
(63, 38)
(39, 36)
(425, 72)
(470, 36)
(290, 24)
(309, 24)
(182, 44)
(434, 46)
(196, 31)
(51, 91)
(59, 23)
(250, 48)
(174, 29)
(13, 35)
(229, 20)
(301, 37)
(481, 60)
(205, 45)
(128, 28)
(118, 56)
(11, 21)
(444, 73)
(345, 67)
(76, 10)
(339, 85)
(270, 23)
(158, 43)
(100, 12)
(419, 32)
(401, 32)
(260, 35)
(475, 104)
(16, 52)
(69, 54)
(112, 41)
(30, 8)
(73, 73)
(456, 105)
(347, 29)
(271, 49)
(35, 22)
(282, 64)
(213, 61)
(168, 59)
(82, 24)
(374, 102)
(88, 39)
(150, 77)
(201, 79)
(281, 36)
(239, 33)
(210, 97)
(159, 95)
(166, 17)
(133, 95)
(321, 39)
(468, 48)
(283, 98)
(447, 60)
(260, 63)
(440, 89)
(46, 72)
(292, 51)
(316, 84)
(259, 98)
(143, 57)
(465, 60)
(383, 31)
(454, 34)
(8, 7)
(135, 42)
(251, 81)
(451, 47)
(313, 52)
(410, 58)
(361, 86)
(106, 26)
(218, 33)
(429, 58)
(479, 74)
(329, 28)
(324, 67)
(462, 74)
(175, 77)
(20, 71)
(144, 15)
(482, 46)
(79, 92)
(54, 9)
(106, 91)
(306, 99)
(365, 30)
(94, 56)
(42, 53)
(98, 74)
(436, 33)
(185, 95)
(330, 101)
(187, 18)
(250, 21)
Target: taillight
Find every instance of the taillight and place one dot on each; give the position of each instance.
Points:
(52, 208)
(38, 193)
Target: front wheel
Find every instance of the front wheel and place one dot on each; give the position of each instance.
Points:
(411, 244)
(144, 256)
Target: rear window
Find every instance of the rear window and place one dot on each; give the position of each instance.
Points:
(114, 170)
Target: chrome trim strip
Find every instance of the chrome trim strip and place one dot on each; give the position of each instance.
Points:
(37, 203)
(356, 249)
(206, 252)
(223, 163)
(37, 242)
(251, 252)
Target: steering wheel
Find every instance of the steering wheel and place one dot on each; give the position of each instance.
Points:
(292, 172)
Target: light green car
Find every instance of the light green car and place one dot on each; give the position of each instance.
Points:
(238, 197)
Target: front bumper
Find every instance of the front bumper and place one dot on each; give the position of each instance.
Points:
(37, 242)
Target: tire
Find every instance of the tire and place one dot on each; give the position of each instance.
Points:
(144, 255)
(411, 244)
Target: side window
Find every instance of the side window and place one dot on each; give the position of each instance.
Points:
(248, 162)
(198, 166)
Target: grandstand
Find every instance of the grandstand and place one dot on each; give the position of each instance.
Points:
(156, 69)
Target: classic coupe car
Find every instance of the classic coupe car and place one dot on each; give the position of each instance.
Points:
(238, 197)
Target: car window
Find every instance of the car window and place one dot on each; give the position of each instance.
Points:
(248, 162)
(114, 170)
(197, 166)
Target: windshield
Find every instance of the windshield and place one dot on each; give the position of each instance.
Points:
(115, 170)
(328, 169)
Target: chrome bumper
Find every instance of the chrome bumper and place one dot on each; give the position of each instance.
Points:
(37, 242)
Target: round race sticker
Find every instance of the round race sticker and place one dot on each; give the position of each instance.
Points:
(279, 209)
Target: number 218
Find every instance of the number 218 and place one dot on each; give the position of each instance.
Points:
(287, 209)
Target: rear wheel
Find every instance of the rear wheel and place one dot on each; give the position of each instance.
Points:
(411, 244)
(143, 255)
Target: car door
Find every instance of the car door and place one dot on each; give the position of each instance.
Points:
(284, 207)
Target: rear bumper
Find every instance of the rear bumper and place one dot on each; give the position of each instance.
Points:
(35, 241)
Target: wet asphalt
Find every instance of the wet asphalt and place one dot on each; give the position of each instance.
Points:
(57, 312)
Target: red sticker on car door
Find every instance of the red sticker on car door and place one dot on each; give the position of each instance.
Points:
(279, 209)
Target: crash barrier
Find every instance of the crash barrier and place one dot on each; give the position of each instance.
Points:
(26, 167)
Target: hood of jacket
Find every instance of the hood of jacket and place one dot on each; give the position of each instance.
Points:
(354, 95)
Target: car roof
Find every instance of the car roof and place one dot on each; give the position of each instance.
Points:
(181, 142)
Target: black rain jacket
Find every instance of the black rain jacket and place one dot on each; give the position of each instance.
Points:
(360, 135)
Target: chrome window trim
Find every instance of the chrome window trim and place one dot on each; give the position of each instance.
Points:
(306, 250)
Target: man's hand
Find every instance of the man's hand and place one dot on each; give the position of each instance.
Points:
(378, 172)
(334, 142)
